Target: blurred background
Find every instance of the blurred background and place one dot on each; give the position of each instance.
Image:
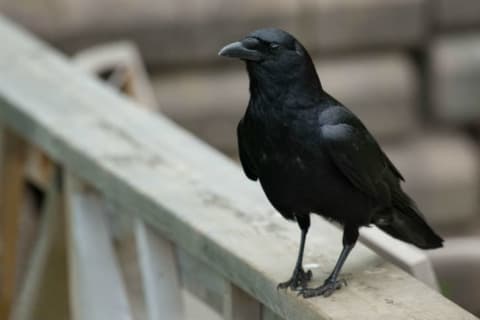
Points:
(409, 68)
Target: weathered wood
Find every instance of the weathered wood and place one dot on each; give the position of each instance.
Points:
(199, 279)
(97, 290)
(29, 226)
(44, 294)
(11, 196)
(39, 168)
(268, 314)
(238, 305)
(192, 195)
(159, 274)
(407, 257)
(124, 59)
(209, 286)
(126, 252)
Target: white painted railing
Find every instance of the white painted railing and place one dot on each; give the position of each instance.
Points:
(137, 209)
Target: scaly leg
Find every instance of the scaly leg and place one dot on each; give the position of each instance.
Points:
(350, 236)
(299, 277)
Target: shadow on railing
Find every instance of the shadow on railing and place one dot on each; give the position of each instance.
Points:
(136, 209)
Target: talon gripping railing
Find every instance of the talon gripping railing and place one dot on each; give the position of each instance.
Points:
(137, 210)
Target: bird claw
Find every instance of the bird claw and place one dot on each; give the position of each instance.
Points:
(299, 279)
(327, 289)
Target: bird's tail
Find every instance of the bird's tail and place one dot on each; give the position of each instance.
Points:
(407, 224)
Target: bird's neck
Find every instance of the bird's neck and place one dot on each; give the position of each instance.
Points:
(283, 89)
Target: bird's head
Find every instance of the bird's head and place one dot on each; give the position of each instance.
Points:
(273, 56)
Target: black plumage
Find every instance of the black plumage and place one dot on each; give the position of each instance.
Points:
(313, 155)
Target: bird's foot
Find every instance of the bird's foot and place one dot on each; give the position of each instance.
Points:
(328, 287)
(299, 279)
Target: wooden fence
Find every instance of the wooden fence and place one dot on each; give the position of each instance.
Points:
(137, 209)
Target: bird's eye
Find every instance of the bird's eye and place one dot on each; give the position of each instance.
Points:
(274, 45)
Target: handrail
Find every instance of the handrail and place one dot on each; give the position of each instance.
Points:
(189, 193)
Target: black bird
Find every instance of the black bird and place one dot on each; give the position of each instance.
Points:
(313, 155)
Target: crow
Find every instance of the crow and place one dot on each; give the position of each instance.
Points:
(313, 155)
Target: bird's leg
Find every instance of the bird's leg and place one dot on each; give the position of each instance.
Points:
(299, 277)
(350, 236)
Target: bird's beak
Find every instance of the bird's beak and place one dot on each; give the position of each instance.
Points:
(240, 50)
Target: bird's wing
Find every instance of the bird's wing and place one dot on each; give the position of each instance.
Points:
(357, 155)
(245, 160)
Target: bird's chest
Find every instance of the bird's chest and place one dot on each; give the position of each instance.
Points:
(270, 139)
(279, 144)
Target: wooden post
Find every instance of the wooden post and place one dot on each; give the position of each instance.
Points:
(159, 274)
(44, 293)
(225, 298)
(239, 305)
(123, 234)
(97, 290)
(11, 193)
(203, 282)
(39, 168)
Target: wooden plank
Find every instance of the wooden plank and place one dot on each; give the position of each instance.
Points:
(123, 58)
(159, 274)
(39, 168)
(126, 251)
(29, 226)
(203, 282)
(44, 294)
(194, 196)
(11, 197)
(239, 305)
(97, 290)
(409, 258)
(226, 299)
(268, 314)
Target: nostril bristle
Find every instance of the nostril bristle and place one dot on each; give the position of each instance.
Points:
(251, 43)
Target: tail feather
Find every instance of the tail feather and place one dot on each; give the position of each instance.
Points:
(406, 223)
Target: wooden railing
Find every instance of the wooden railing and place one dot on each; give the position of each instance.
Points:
(136, 210)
